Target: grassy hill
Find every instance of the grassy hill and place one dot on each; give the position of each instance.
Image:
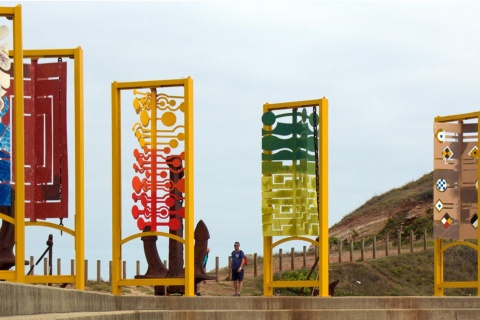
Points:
(409, 207)
(409, 274)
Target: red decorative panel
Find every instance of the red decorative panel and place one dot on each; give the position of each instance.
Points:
(46, 159)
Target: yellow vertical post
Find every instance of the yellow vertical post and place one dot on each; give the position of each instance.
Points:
(323, 209)
(79, 172)
(116, 191)
(267, 252)
(478, 206)
(189, 189)
(19, 154)
(267, 266)
(437, 267)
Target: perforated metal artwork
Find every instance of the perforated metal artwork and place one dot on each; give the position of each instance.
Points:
(289, 203)
(159, 183)
(46, 157)
(455, 180)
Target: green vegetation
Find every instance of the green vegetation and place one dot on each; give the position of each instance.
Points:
(409, 274)
(100, 286)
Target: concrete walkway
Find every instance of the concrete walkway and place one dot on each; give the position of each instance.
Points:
(19, 301)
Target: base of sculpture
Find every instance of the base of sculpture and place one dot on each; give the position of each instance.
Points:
(156, 268)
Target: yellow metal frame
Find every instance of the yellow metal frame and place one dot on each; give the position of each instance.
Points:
(117, 241)
(439, 244)
(322, 243)
(79, 232)
(18, 275)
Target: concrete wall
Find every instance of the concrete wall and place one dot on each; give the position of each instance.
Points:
(18, 301)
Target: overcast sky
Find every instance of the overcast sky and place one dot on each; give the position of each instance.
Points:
(387, 69)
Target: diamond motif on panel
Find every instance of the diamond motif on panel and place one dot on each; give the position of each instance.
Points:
(439, 205)
(441, 185)
(447, 153)
(474, 221)
(474, 153)
(447, 220)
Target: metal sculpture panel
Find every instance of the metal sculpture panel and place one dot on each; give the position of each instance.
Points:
(46, 158)
(455, 180)
(161, 134)
(289, 195)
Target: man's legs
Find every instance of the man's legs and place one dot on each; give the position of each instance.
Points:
(235, 281)
(199, 286)
(240, 285)
(235, 286)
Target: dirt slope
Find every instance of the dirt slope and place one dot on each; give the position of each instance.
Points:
(413, 200)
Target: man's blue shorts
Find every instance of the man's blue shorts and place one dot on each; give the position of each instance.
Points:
(237, 276)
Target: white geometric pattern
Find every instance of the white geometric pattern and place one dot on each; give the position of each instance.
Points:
(441, 135)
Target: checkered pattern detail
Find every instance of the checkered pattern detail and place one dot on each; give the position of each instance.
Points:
(447, 220)
(447, 153)
(441, 185)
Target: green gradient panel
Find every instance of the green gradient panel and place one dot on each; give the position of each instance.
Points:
(289, 196)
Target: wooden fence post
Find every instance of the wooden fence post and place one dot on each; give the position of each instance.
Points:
(351, 250)
(340, 245)
(86, 272)
(217, 264)
(32, 263)
(292, 258)
(386, 245)
(362, 256)
(124, 270)
(109, 271)
(304, 257)
(99, 276)
(399, 242)
(280, 253)
(138, 268)
(374, 247)
(254, 265)
(425, 239)
(229, 268)
(59, 266)
(411, 240)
